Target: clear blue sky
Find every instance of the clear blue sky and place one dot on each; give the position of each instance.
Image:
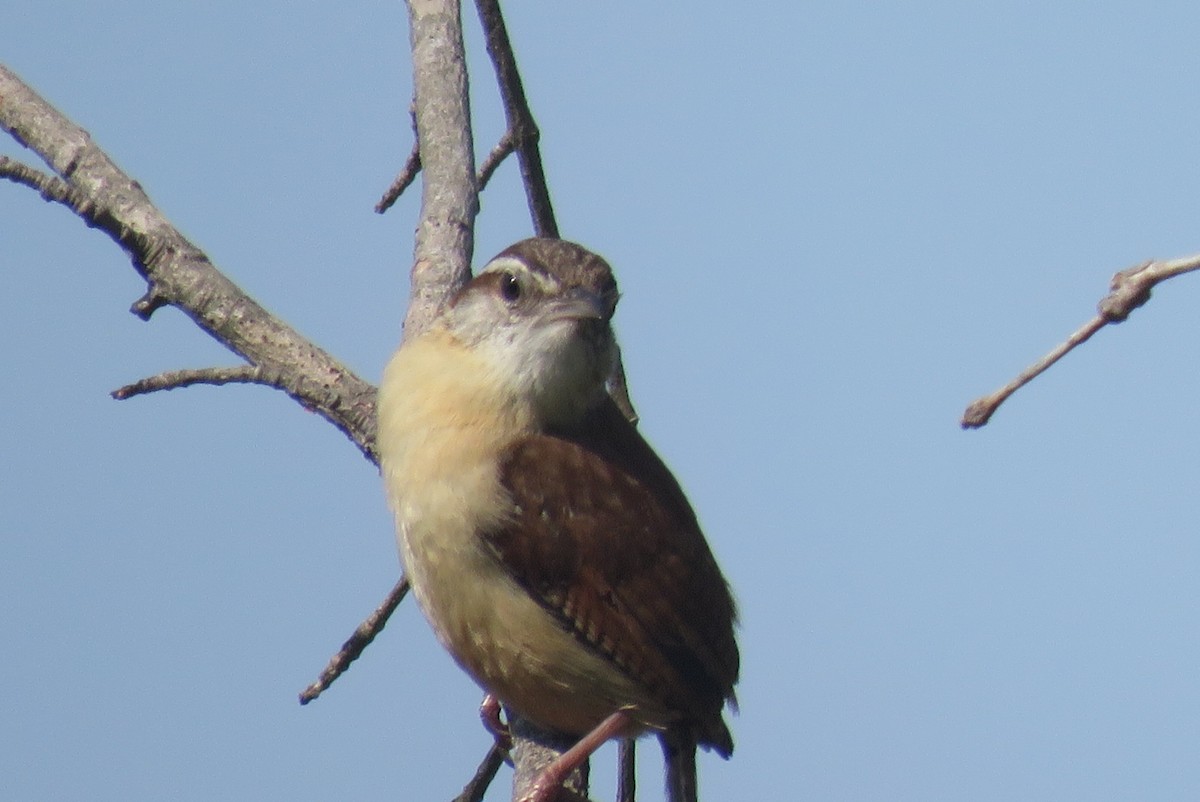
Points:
(834, 225)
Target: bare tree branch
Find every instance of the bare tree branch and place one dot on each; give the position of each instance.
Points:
(409, 172)
(176, 271)
(1130, 289)
(412, 167)
(179, 274)
(522, 129)
(445, 237)
(357, 642)
(406, 177)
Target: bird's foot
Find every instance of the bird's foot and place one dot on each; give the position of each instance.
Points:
(489, 714)
(548, 786)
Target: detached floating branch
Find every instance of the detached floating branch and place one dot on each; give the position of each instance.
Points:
(1130, 289)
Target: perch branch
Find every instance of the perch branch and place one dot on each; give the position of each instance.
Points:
(443, 150)
(533, 751)
(1129, 289)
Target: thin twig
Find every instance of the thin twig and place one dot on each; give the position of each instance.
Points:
(522, 128)
(1130, 288)
(172, 379)
(474, 790)
(353, 647)
(402, 182)
(494, 159)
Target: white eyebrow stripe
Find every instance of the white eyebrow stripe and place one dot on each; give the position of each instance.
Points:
(501, 264)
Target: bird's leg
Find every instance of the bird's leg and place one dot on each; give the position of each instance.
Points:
(548, 784)
(489, 714)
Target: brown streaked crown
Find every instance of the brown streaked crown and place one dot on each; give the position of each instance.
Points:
(571, 265)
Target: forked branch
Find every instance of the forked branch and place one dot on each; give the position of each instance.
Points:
(177, 273)
(521, 137)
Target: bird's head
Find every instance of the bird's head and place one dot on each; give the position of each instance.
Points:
(539, 315)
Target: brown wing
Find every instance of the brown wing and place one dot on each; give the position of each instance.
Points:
(605, 539)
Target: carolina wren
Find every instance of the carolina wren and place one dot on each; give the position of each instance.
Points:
(551, 550)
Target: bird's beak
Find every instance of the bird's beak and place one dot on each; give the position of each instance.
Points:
(577, 305)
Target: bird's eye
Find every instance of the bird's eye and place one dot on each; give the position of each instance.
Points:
(510, 287)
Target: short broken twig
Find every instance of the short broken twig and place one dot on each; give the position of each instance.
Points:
(353, 647)
(51, 187)
(1130, 288)
(403, 180)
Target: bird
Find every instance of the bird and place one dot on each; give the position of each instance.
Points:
(551, 550)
